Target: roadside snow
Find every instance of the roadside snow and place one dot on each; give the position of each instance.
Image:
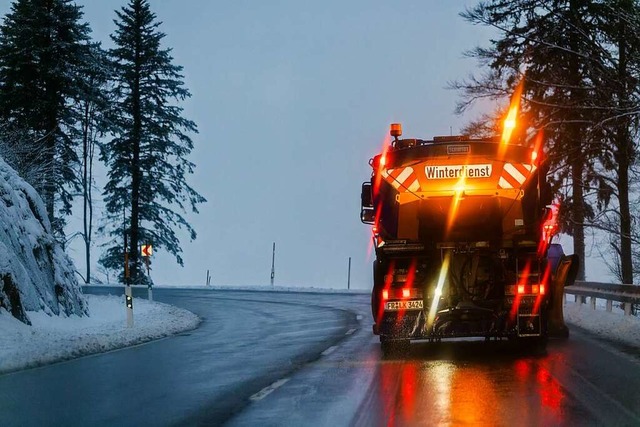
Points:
(613, 326)
(55, 338)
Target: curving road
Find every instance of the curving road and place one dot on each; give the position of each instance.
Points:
(263, 358)
(202, 377)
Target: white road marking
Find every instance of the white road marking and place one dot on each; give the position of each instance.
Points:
(350, 331)
(329, 350)
(268, 390)
(359, 317)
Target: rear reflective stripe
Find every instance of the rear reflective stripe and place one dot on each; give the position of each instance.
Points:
(402, 179)
(503, 183)
(511, 170)
(514, 175)
(415, 186)
(404, 175)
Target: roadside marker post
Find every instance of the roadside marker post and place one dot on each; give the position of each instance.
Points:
(127, 288)
(129, 301)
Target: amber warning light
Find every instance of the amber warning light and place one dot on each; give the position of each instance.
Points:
(396, 130)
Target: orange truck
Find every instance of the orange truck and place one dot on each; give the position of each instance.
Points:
(461, 230)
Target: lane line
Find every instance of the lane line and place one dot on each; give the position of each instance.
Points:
(329, 350)
(268, 390)
(350, 331)
(359, 317)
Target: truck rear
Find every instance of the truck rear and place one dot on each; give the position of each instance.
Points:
(461, 228)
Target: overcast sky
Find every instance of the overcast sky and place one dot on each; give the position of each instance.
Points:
(291, 99)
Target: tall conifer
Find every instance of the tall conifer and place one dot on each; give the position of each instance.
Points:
(147, 159)
(43, 44)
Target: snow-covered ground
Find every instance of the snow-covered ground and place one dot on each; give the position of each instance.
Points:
(55, 338)
(52, 339)
(614, 326)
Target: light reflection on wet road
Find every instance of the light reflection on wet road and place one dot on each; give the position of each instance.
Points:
(579, 381)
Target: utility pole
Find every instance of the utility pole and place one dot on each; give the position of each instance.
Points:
(273, 263)
(349, 275)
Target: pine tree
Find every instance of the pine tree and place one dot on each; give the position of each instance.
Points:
(565, 53)
(43, 44)
(147, 159)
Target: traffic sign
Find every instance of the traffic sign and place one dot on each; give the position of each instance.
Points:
(146, 250)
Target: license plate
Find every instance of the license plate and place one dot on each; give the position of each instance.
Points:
(403, 305)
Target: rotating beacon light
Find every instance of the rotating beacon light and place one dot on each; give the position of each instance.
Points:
(395, 131)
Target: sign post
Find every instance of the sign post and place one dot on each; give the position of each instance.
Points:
(147, 251)
(273, 264)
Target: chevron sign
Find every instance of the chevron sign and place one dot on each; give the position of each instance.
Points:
(146, 250)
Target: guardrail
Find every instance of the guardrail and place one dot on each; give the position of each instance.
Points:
(628, 295)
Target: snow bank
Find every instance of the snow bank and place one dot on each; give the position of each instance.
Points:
(54, 338)
(35, 273)
(613, 326)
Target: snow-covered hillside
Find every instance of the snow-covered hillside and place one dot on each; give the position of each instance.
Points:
(35, 273)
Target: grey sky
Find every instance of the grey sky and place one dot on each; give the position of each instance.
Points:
(291, 99)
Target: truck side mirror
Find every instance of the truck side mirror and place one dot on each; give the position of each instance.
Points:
(367, 213)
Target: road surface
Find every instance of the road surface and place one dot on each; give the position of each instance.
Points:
(272, 358)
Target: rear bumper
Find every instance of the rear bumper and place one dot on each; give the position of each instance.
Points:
(462, 322)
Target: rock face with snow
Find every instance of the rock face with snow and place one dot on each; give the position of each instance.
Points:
(35, 273)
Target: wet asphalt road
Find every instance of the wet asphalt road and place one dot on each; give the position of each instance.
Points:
(262, 358)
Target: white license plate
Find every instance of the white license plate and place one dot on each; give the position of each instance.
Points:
(403, 305)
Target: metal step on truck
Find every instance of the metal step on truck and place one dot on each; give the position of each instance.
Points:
(461, 230)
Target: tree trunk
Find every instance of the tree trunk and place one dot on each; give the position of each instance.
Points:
(624, 151)
(575, 142)
(577, 214)
(135, 161)
(85, 191)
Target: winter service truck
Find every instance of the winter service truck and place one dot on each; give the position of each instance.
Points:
(461, 231)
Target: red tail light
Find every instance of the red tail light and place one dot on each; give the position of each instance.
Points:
(385, 294)
(520, 289)
(406, 293)
(542, 289)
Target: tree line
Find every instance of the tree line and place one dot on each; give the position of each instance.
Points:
(577, 63)
(65, 101)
